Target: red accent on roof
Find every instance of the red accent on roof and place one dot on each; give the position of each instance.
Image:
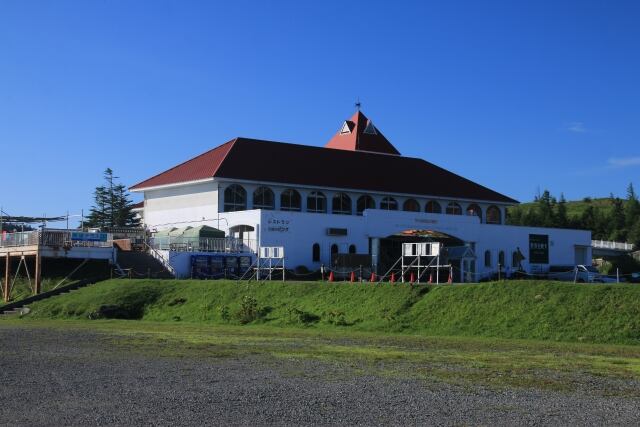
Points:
(201, 167)
(138, 205)
(357, 140)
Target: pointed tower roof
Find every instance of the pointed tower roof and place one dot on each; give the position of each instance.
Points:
(359, 134)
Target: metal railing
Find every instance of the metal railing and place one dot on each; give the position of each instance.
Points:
(618, 246)
(55, 238)
(203, 244)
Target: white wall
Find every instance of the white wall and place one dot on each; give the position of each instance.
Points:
(181, 206)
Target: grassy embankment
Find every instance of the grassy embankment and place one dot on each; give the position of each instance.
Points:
(520, 309)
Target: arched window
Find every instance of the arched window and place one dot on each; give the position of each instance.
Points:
(454, 209)
(411, 205)
(493, 215)
(334, 249)
(365, 202)
(389, 204)
(263, 198)
(352, 249)
(315, 252)
(341, 204)
(433, 207)
(235, 198)
(474, 210)
(501, 258)
(290, 200)
(316, 202)
(487, 258)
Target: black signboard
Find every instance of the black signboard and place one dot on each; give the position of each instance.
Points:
(538, 249)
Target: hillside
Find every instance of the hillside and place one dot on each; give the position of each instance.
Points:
(576, 208)
(516, 309)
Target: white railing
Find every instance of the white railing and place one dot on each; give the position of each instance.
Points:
(56, 238)
(203, 244)
(618, 246)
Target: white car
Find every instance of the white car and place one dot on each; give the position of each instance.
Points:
(579, 273)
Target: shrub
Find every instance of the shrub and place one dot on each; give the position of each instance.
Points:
(248, 310)
(336, 317)
(225, 315)
(300, 316)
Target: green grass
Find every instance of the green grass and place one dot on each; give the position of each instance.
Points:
(537, 310)
(575, 208)
(463, 361)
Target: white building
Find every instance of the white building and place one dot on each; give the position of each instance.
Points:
(356, 195)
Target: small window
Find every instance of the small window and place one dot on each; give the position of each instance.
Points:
(315, 252)
(493, 215)
(334, 249)
(474, 210)
(263, 198)
(290, 200)
(235, 198)
(365, 202)
(487, 258)
(433, 207)
(411, 205)
(454, 209)
(501, 258)
(389, 204)
(316, 202)
(341, 204)
(515, 259)
(352, 249)
(370, 129)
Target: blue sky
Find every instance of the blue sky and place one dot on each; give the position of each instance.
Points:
(514, 95)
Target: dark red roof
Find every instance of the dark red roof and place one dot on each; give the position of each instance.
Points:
(278, 162)
(200, 167)
(138, 205)
(359, 134)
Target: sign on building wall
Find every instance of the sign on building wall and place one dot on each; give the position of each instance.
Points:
(538, 249)
(78, 236)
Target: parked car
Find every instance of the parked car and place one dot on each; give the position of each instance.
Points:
(579, 273)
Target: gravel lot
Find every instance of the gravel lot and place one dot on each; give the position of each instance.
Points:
(53, 377)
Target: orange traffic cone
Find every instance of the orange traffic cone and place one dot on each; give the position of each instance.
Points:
(331, 278)
(353, 277)
(412, 277)
(373, 277)
(450, 278)
(393, 278)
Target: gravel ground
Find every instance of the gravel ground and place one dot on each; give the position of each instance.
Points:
(53, 377)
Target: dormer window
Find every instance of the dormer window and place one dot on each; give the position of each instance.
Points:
(345, 128)
(370, 129)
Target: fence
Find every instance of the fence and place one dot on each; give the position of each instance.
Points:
(56, 238)
(618, 246)
(203, 244)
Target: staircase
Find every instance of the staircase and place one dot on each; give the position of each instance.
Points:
(17, 307)
(142, 265)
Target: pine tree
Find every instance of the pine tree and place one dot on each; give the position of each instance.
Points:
(112, 207)
(562, 220)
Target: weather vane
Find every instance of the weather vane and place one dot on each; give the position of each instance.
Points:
(358, 104)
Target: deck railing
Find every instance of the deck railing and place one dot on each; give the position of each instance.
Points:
(56, 238)
(203, 244)
(618, 246)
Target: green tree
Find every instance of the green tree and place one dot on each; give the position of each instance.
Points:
(562, 220)
(112, 206)
(632, 207)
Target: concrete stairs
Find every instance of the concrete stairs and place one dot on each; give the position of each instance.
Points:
(142, 265)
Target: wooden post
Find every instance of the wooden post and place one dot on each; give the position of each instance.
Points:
(7, 274)
(38, 278)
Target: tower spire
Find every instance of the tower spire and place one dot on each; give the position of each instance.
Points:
(358, 104)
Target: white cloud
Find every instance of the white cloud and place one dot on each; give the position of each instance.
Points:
(623, 162)
(577, 127)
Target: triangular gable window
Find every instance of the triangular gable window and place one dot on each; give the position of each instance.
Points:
(345, 128)
(370, 129)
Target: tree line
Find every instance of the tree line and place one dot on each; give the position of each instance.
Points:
(613, 219)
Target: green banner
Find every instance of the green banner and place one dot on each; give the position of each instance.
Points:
(538, 249)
